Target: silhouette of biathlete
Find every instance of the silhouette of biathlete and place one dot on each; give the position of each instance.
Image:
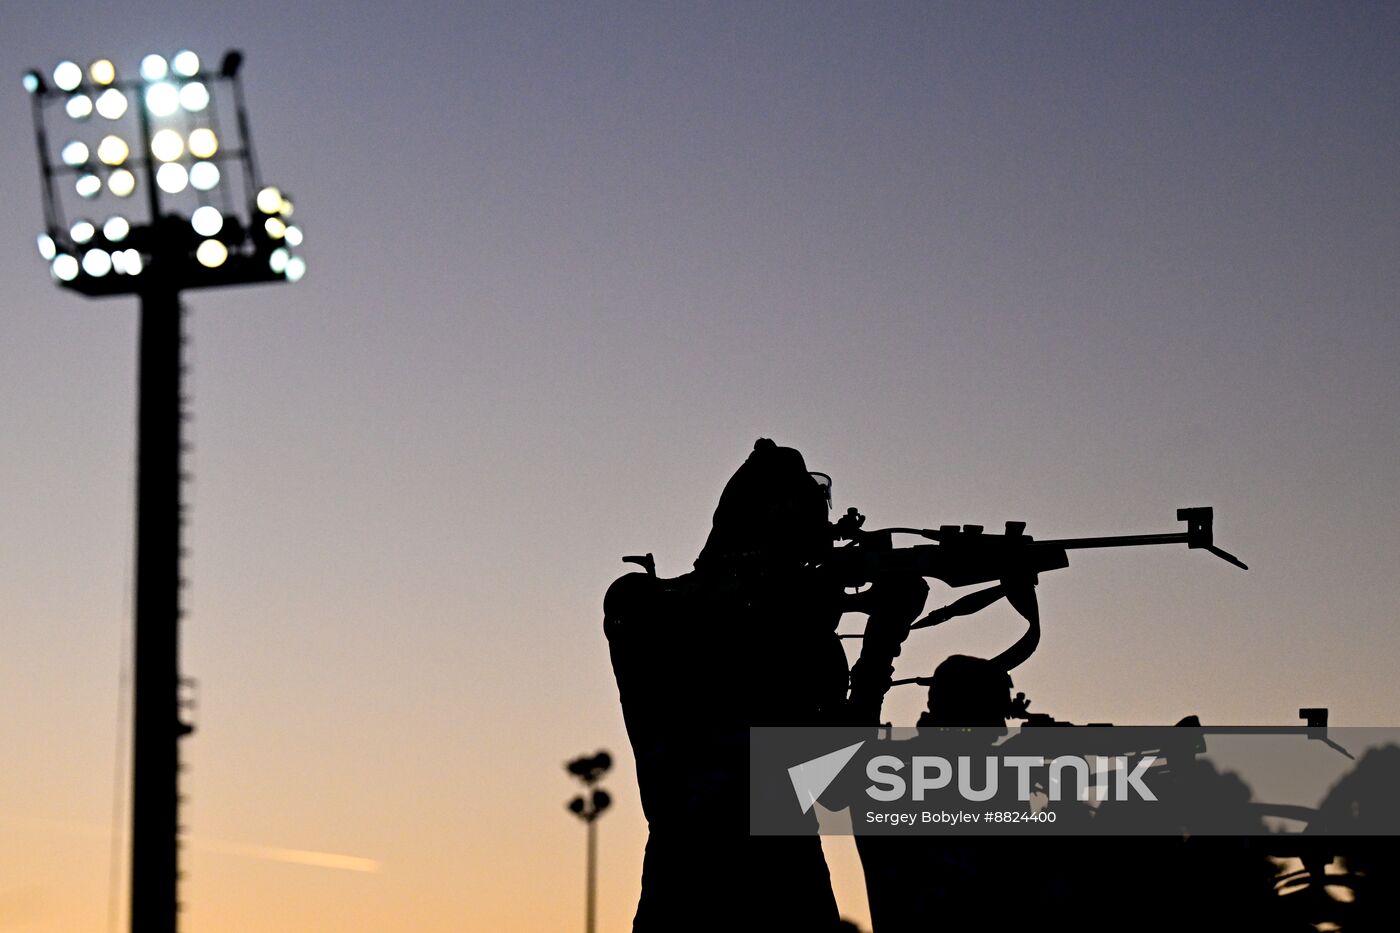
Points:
(1352, 845)
(919, 883)
(746, 639)
(999, 883)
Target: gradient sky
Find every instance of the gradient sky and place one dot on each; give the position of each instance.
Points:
(1070, 264)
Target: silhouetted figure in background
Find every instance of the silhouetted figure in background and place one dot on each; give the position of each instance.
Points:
(1362, 801)
(1002, 883)
(955, 882)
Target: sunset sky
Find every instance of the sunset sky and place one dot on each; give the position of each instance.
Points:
(1076, 265)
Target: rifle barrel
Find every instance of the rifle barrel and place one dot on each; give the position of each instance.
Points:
(1178, 537)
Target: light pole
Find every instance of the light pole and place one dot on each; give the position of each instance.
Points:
(588, 807)
(150, 188)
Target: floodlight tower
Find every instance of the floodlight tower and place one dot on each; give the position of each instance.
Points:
(147, 192)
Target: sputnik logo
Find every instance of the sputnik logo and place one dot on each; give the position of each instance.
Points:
(811, 778)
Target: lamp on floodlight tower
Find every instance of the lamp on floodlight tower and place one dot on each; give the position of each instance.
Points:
(150, 188)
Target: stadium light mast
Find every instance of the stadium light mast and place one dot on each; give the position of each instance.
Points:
(148, 192)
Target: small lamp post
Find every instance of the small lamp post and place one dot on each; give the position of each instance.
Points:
(588, 807)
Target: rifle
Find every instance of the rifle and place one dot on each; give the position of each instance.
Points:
(967, 555)
(1314, 728)
(1173, 749)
